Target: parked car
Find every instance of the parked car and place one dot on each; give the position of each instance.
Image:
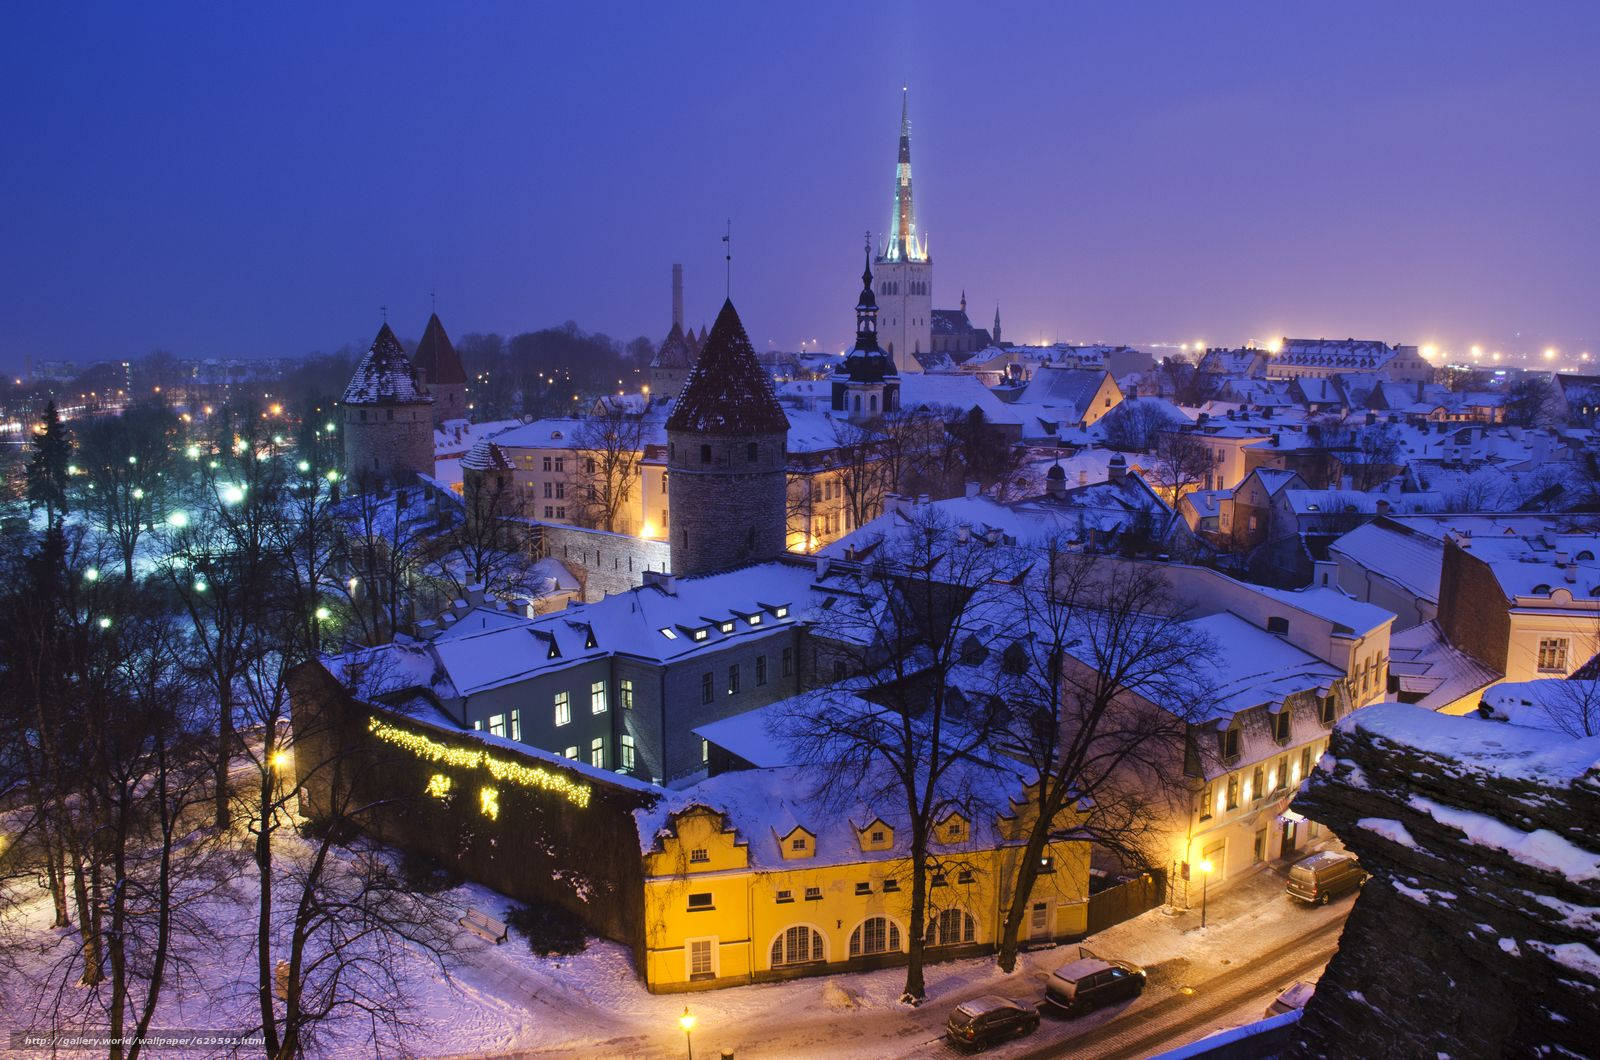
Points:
(1294, 997)
(1321, 878)
(988, 1019)
(1091, 981)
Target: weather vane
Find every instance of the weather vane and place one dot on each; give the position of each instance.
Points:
(727, 261)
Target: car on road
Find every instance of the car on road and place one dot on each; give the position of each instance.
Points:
(991, 1018)
(1293, 998)
(1320, 878)
(1090, 982)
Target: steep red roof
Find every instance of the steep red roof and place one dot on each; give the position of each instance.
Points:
(728, 391)
(436, 358)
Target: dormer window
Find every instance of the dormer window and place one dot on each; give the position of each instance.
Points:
(726, 627)
(700, 634)
(754, 620)
(1228, 740)
(1280, 725)
(781, 612)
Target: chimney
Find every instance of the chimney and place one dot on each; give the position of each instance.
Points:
(1117, 469)
(922, 500)
(1572, 572)
(677, 295)
(1326, 573)
(663, 581)
(1083, 476)
(973, 489)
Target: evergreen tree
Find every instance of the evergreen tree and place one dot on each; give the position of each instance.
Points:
(47, 468)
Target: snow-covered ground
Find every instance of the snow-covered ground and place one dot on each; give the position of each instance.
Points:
(504, 1000)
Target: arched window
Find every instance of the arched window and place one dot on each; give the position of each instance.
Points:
(858, 402)
(872, 403)
(951, 927)
(801, 944)
(1586, 556)
(876, 934)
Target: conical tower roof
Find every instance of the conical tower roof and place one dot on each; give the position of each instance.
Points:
(675, 350)
(385, 375)
(436, 358)
(728, 391)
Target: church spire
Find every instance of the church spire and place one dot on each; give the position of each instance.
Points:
(867, 307)
(904, 244)
(997, 323)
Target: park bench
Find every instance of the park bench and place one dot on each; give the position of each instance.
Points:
(484, 926)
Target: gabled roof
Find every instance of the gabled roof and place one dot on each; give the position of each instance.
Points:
(436, 358)
(728, 392)
(385, 375)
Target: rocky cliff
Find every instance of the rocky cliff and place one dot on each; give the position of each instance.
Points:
(1479, 931)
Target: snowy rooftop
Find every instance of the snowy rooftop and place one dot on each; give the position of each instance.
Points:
(1543, 566)
(1424, 662)
(1411, 560)
(1350, 617)
(385, 375)
(1252, 668)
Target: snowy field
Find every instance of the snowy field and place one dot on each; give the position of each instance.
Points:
(502, 1000)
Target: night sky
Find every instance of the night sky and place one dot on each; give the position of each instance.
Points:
(223, 179)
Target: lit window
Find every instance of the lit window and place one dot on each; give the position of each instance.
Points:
(668, 633)
(1233, 793)
(705, 751)
(1205, 803)
(726, 627)
(1553, 655)
(627, 694)
(516, 725)
(571, 752)
(597, 697)
(563, 708)
(497, 724)
(782, 612)
(597, 752)
(754, 620)
(701, 634)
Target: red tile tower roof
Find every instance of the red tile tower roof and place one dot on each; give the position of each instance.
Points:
(728, 391)
(436, 358)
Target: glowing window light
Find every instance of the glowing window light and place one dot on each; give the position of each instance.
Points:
(470, 758)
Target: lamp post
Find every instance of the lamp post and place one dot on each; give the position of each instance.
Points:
(686, 1021)
(1205, 886)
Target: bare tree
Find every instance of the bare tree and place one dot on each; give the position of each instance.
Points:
(1182, 462)
(127, 462)
(484, 539)
(889, 731)
(1574, 706)
(1102, 682)
(610, 447)
(1135, 425)
(386, 542)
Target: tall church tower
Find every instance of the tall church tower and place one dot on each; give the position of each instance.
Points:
(905, 272)
(727, 451)
(388, 417)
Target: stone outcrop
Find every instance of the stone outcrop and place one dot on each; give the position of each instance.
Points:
(1479, 931)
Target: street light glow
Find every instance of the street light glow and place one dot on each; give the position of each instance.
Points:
(178, 519)
(686, 1021)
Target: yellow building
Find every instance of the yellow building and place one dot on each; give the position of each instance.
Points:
(747, 880)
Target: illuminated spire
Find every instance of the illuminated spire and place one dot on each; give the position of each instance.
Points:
(904, 244)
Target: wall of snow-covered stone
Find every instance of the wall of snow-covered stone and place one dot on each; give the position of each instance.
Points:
(1479, 931)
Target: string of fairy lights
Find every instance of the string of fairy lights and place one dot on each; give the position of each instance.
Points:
(503, 770)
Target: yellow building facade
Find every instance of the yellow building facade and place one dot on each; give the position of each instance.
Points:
(723, 907)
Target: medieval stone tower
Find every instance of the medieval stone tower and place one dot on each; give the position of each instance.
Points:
(388, 419)
(727, 448)
(905, 271)
(440, 373)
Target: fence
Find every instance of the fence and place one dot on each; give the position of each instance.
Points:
(1126, 900)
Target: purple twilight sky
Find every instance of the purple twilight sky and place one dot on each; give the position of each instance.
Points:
(253, 180)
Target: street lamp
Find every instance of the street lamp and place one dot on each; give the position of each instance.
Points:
(1205, 886)
(686, 1021)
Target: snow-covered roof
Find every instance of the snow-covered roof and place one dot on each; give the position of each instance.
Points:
(751, 735)
(728, 392)
(1314, 502)
(1350, 617)
(1427, 664)
(957, 390)
(385, 375)
(1409, 559)
(1252, 668)
(1542, 567)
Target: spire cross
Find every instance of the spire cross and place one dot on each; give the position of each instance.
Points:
(433, 300)
(727, 261)
(385, 311)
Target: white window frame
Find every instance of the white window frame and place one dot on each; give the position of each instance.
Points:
(563, 708)
(597, 750)
(597, 697)
(516, 724)
(711, 941)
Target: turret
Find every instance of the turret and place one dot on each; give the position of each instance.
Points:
(867, 385)
(727, 453)
(388, 417)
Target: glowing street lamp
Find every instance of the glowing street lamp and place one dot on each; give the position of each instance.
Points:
(280, 760)
(105, 623)
(686, 1021)
(193, 452)
(178, 520)
(92, 574)
(323, 614)
(303, 466)
(1205, 886)
(232, 494)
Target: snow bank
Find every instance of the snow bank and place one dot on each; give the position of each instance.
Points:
(1542, 848)
(1391, 830)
